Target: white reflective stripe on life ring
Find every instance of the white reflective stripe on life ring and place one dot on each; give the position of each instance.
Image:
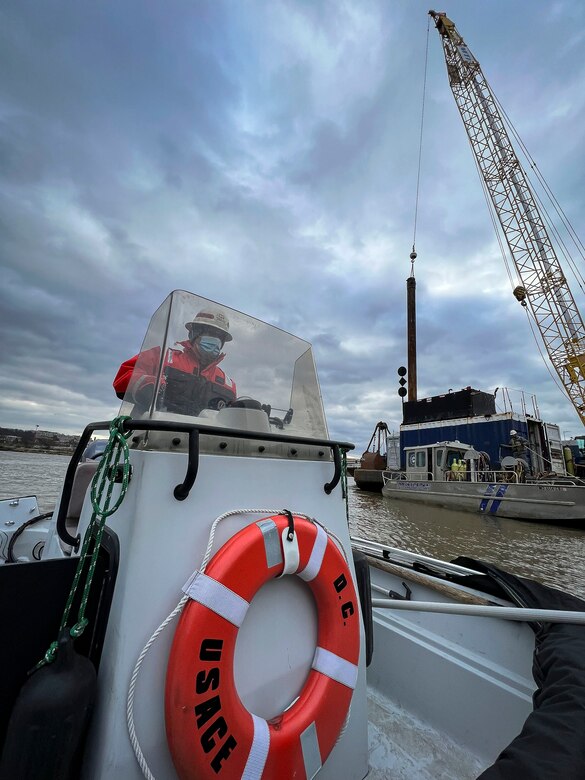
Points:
(259, 750)
(217, 597)
(311, 752)
(272, 546)
(313, 566)
(335, 667)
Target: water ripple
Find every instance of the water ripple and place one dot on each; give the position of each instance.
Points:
(551, 554)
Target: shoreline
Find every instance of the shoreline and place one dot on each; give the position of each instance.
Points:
(38, 450)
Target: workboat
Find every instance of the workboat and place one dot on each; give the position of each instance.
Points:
(460, 451)
(456, 476)
(195, 606)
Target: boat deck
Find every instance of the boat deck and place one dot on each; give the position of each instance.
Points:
(404, 748)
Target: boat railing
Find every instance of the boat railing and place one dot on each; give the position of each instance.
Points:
(557, 481)
(489, 475)
(193, 430)
(486, 475)
(414, 476)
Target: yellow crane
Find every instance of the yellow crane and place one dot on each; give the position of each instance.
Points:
(543, 286)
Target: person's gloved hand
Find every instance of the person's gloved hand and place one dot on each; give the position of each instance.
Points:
(143, 394)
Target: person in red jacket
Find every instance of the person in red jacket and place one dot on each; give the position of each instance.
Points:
(192, 379)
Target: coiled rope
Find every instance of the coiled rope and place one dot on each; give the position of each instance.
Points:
(105, 476)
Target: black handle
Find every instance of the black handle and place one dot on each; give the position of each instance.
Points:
(182, 491)
(329, 486)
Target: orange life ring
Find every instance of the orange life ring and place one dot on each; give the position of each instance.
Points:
(209, 731)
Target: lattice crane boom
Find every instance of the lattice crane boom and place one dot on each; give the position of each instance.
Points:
(543, 286)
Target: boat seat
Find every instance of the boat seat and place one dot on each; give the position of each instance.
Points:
(81, 481)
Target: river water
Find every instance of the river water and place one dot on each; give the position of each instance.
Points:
(25, 474)
(550, 554)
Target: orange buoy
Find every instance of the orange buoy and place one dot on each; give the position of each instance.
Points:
(209, 731)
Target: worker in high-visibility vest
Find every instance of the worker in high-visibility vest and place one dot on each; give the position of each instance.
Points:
(458, 469)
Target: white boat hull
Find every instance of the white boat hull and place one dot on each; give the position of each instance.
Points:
(545, 502)
(161, 542)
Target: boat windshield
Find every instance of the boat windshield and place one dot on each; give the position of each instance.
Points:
(205, 361)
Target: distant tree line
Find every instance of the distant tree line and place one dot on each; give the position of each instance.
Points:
(45, 440)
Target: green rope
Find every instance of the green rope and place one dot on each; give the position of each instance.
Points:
(116, 449)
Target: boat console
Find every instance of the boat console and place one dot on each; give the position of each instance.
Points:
(209, 464)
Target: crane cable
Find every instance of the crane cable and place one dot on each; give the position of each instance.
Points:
(422, 119)
(549, 223)
(493, 216)
(552, 198)
(529, 315)
(553, 375)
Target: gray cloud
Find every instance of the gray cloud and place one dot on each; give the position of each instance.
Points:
(264, 155)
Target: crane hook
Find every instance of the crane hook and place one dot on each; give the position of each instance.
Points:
(520, 295)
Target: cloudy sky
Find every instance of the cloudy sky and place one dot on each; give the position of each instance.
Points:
(263, 154)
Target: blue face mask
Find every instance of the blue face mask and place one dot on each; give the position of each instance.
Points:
(211, 345)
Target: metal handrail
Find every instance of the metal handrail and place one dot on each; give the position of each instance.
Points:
(182, 490)
(489, 475)
(523, 614)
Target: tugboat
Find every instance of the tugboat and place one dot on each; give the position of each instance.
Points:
(198, 608)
